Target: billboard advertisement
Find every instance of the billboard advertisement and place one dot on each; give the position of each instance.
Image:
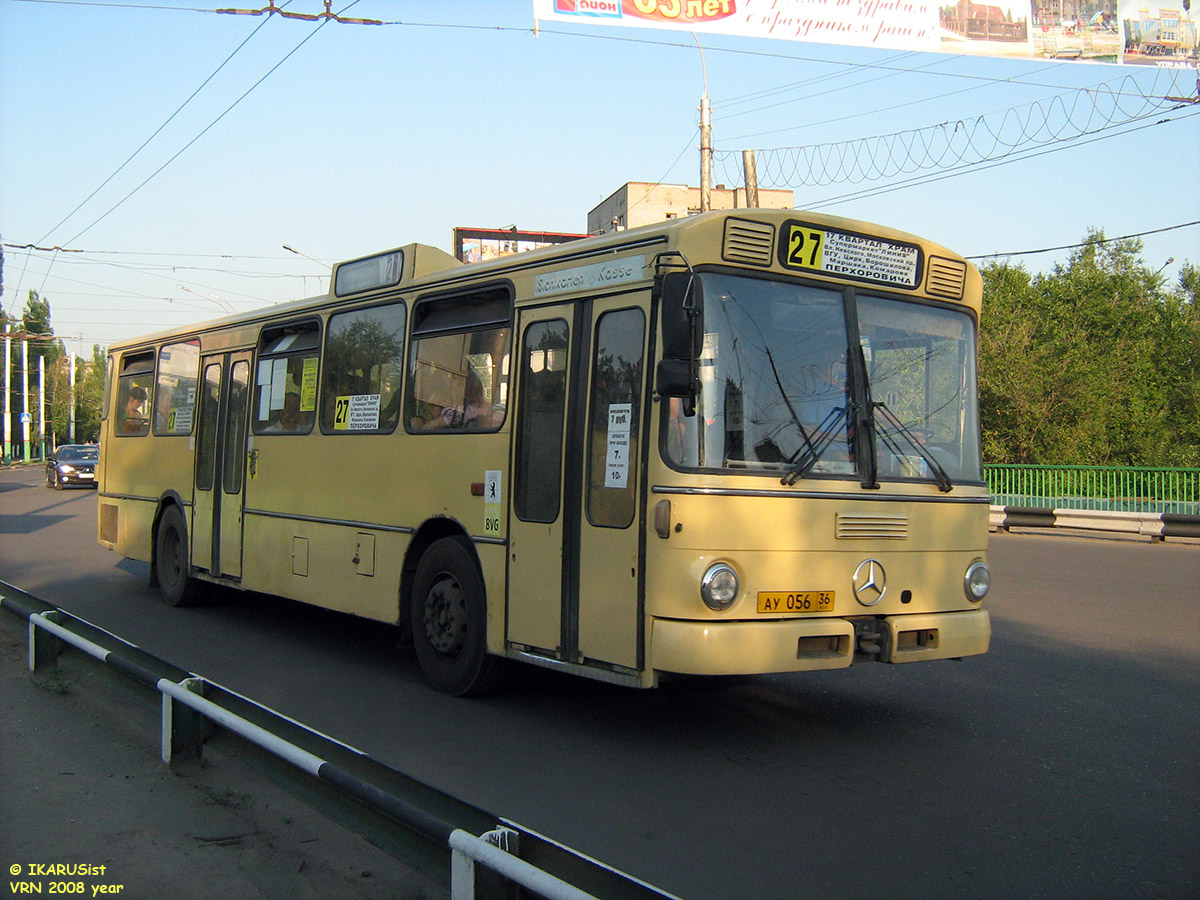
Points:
(1066, 30)
(481, 244)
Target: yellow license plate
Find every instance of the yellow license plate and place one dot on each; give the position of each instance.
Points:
(775, 602)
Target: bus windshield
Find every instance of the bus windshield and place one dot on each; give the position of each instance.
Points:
(780, 369)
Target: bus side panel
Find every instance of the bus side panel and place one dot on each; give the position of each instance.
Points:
(127, 527)
(351, 483)
(343, 567)
(135, 479)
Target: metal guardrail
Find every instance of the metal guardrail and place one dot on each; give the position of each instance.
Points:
(471, 839)
(1156, 526)
(1113, 488)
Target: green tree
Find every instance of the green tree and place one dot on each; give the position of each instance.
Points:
(1092, 363)
(1177, 338)
(89, 384)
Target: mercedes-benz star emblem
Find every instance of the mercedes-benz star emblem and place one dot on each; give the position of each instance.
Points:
(870, 582)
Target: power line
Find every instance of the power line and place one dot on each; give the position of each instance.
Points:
(1124, 237)
(116, 5)
(156, 133)
(229, 256)
(1060, 119)
(626, 39)
(870, 112)
(207, 128)
(977, 167)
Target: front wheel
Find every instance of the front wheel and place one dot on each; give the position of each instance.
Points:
(175, 585)
(448, 618)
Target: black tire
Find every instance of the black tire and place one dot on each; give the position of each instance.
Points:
(171, 562)
(448, 619)
(58, 485)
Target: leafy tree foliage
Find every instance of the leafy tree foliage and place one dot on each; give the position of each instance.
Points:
(35, 321)
(1093, 363)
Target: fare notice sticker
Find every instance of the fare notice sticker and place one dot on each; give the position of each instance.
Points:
(846, 254)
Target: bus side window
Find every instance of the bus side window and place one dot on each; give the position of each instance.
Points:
(537, 478)
(364, 360)
(175, 390)
(285, 389)
(459, 360)
(615, 411)
(135, 386)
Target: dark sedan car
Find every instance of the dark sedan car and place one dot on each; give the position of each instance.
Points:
(72, 464)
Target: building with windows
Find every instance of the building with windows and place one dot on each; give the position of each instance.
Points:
(643, 203)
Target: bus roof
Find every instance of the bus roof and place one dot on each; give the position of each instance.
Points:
(419, 267)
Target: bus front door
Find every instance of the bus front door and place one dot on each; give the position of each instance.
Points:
(576, 483)
(221, 464)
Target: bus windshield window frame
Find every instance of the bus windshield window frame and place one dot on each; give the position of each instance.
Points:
(788, 372)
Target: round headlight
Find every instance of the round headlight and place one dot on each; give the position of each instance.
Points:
(977, 581)
(719, 587)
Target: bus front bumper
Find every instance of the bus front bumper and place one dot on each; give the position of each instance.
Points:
(798, 645)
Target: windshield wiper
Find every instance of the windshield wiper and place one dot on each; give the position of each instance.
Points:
(943, 480)
(806, 457)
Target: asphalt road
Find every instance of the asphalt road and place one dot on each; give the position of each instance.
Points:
(1064, 764)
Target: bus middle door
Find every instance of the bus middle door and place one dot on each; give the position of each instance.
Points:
(607, 614)
(221, 464)
(575, 484)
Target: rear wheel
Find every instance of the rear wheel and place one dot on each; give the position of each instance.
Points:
(175, 585)
(448, 619)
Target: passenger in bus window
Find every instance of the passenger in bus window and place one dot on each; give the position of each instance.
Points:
(134, 421)
(475, 409)
(289, 416)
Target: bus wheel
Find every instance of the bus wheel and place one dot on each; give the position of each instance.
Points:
(448, 617)
(171, 561)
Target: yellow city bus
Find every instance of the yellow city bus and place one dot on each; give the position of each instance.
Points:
(741, 442)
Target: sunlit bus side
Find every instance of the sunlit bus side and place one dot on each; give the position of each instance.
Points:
(743, 442)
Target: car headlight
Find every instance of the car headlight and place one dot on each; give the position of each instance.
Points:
(977, 581)
(64, 468)
(719, 587)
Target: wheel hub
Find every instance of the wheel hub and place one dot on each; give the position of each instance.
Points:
(446, 616)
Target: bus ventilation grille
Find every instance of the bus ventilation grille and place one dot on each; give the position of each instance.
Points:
(851, 527)
(748, 242)
(946, 277)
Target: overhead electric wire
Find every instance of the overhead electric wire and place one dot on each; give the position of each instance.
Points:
(684, 45)
(972, 168)
(952, 144)
(1124, 237)
(868, 112)
(157, 131)
(208, 127)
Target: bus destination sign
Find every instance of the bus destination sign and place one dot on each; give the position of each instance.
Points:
(845, 254)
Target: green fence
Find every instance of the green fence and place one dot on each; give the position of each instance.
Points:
(1115, 488)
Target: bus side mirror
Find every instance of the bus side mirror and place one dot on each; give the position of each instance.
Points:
(681, 310)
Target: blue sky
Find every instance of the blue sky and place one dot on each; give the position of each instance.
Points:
(365, 138)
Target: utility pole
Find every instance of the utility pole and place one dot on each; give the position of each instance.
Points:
(42, 404)
(7, 448)
(71, 436)
(26, 418)
(751, 170)
(705, 137)
(705, 153)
